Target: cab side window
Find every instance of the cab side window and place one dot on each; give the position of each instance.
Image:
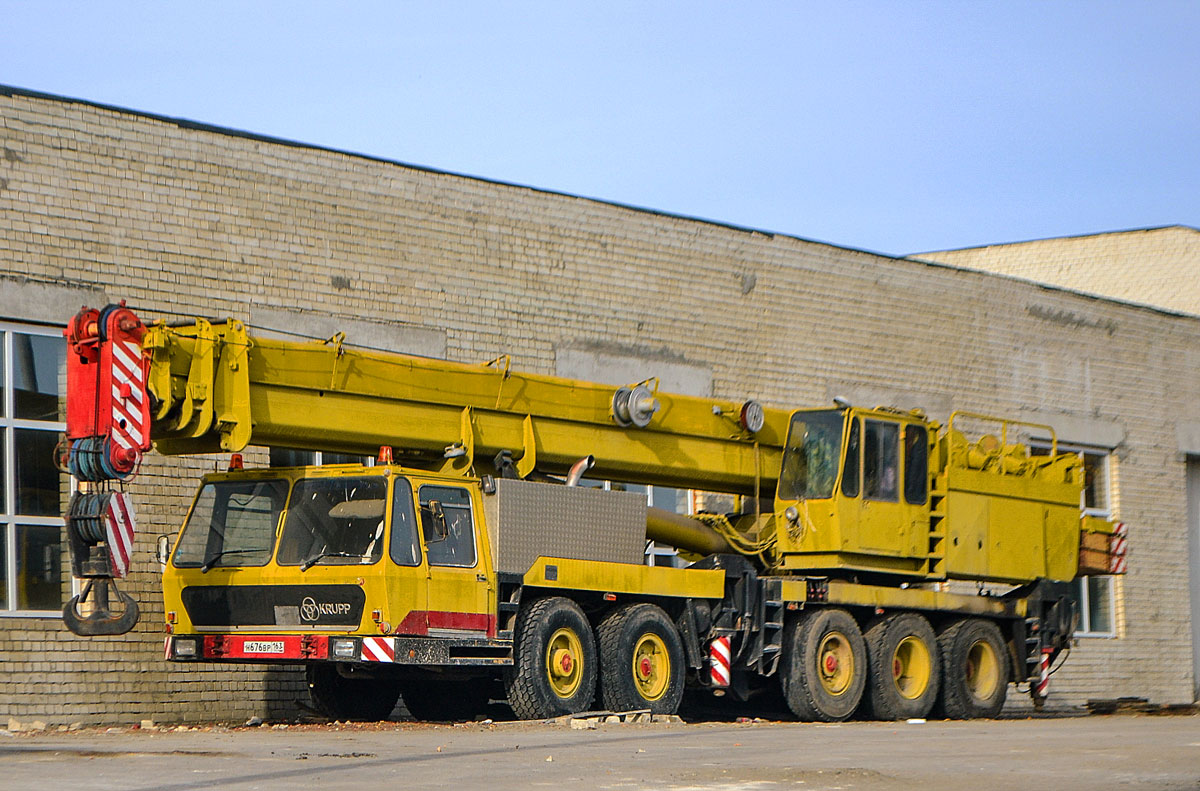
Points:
(453, 544)
(881, 460)
(916, 464)
(850, 469)
(404, 549)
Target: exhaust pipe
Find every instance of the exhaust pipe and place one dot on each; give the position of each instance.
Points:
(579, 468)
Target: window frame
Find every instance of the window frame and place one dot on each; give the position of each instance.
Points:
(909, 452)
(290, 513)
(9, 425)
(425, 542)
(853, 466)
(318, 458)
(271, 549)
(897, 447)
(1079, 586)
(398, 499)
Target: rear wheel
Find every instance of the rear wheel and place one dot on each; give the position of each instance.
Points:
(641, 660)
(554, 661)
(824, 665)
(905, 672)
(974, 669)
(342, 698)
(436, 700)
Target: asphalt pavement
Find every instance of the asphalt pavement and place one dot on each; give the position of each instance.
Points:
(1064, 754)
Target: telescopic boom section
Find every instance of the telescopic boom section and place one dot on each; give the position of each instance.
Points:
(214, 387)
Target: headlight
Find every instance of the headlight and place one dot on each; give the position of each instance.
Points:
(188, 647)
(345, 649)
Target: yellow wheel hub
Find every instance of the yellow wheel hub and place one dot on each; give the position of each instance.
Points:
(835, 663)
(983, 670)
(651, 667)
(912, 667)
(563, 668)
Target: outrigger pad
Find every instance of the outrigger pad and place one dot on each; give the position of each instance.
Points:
(101, 621)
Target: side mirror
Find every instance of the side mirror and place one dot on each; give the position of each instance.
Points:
(162, 551)
(440, 529)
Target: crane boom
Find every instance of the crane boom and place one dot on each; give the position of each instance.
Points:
(215, 387)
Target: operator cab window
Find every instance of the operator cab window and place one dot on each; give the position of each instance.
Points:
(881, 461)
(850, 466)
(810, 455)
(916, 464)
(405, 549)
(449, 538)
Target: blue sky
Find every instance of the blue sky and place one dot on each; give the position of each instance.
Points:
(887, 126)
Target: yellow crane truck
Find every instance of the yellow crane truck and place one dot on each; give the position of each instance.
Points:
(878, 560)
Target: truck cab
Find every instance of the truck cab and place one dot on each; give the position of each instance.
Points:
(303, 550)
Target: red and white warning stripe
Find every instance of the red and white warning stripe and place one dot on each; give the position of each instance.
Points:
(1043, 682)
(378, 649)
(1118, 546)
(719, 660)
(128, 395)
(119, 525)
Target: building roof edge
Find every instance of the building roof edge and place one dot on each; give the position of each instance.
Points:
(184, 123)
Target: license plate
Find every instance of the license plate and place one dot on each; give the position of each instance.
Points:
(263, 646)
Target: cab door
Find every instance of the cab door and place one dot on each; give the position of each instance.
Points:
(407, 579)
(458, 588)
(884, 524)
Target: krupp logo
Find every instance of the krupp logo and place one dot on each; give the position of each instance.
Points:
(311, 611)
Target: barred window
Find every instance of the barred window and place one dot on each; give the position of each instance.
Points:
(1095, 597)
(32, 385)
(291, 457)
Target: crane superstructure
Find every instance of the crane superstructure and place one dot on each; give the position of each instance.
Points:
(458, 567)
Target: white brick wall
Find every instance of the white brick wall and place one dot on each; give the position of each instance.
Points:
(1152, 266)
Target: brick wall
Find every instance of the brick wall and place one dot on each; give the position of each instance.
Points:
(187, 221)
(1107, 264)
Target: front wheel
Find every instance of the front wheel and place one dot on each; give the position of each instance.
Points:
(554, 661)
(641, 660)
(824, 665)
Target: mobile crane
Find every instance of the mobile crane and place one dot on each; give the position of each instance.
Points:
(458, 567)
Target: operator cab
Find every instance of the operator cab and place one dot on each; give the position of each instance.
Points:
(857, 482)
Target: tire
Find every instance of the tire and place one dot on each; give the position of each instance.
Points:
(357, 699)
(824, 665)
(554, 661)
(433, 700)
(641, 660)
(905, 671)
(975, 670)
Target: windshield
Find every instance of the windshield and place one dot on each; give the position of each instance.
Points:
(810, 457)
(232, 524)
(334, 520)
